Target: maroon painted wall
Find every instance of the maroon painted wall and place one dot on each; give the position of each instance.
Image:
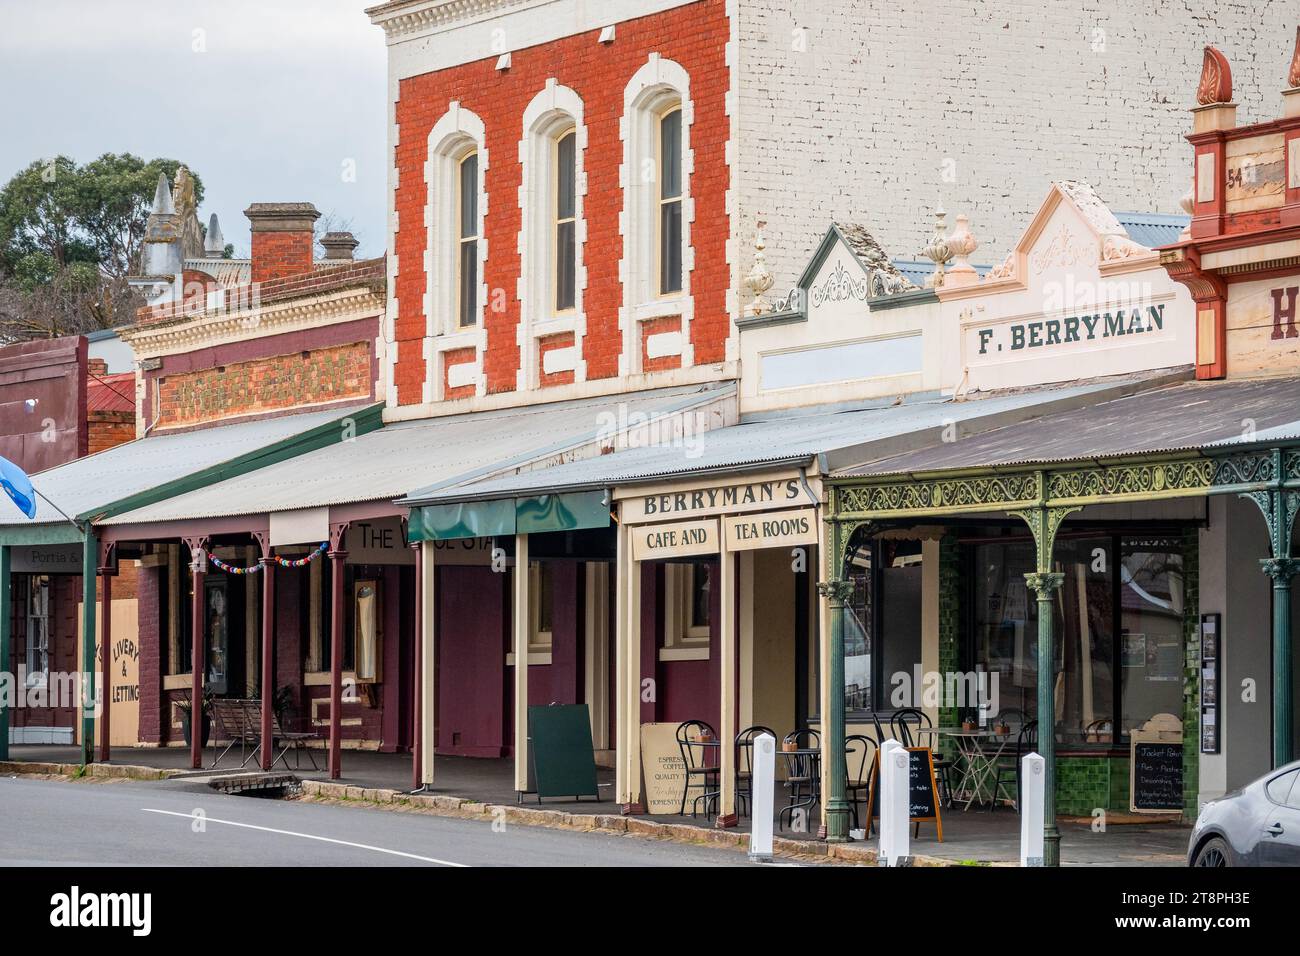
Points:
(52, 371)
(686, 690)
(148, 589)
(473, 630)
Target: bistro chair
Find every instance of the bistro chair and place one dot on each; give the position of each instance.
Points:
(1026, 741)
(859, 762)
(745, 763)
(803, 774)
(1100, 731)
(696, 764)
(911, 729)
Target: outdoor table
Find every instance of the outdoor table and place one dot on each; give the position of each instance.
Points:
(977, 763)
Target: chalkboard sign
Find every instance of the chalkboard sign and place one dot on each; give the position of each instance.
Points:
(923, 791)
(560, 754)
(1157, 777)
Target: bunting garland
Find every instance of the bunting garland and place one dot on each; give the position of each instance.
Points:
(282, 562)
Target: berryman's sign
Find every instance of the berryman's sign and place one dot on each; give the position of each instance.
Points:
(1117, 325)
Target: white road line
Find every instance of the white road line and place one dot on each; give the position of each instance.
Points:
(305, 836)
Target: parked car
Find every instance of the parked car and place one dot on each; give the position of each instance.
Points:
(1258, 825)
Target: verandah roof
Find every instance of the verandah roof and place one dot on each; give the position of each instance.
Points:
(385, 464)
(151, 468)
(834, 435)
(1199, 417)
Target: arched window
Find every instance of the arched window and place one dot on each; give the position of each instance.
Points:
(657, 214)
(468, 236)
(457, 249)
(551, 236)
(669, 244)
(564, 248)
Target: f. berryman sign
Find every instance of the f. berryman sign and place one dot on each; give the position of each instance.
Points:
(1018, 336)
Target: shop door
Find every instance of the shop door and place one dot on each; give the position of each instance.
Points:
(471, 649)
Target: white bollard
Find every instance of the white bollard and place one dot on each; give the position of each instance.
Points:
(1032, 783)
(895, 804)
(761, 794)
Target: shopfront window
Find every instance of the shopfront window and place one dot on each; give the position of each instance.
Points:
(882, 628)
(1151, 631)
(1113, 585)
(38, 630)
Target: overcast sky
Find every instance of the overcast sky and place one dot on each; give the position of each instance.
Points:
(267, 100)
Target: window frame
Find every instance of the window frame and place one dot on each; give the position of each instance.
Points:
(683, 639)
(569, 131)
(661, 114)
(38, 583)
(458, 210)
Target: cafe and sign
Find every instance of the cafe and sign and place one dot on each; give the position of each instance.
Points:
(699, 561)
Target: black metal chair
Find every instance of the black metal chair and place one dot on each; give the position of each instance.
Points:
(696, 765)
(910, 727)
(803, 773)
(859, 762)
(745, 763)
(1026, 742)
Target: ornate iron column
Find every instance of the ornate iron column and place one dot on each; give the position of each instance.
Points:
(1282, 570)
(1045, 585)
(1044, 522)
(1280, 505)
(837, 591)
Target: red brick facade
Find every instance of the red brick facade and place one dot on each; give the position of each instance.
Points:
(277, 255)
(695, 37)
(266, 385)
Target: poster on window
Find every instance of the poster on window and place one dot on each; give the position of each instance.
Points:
(1164, 660)
(1133, 650)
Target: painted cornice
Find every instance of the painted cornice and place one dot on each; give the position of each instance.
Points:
(293, 315)
(402, 17)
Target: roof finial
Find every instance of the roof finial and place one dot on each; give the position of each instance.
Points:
(760, 278)
(962, 243)
(1216, 79)
(214, 243)
(162, 198)
(937, 250)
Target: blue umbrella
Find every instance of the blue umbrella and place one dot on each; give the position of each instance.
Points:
(18, 487)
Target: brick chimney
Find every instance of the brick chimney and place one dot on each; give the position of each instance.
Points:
(282, 238)
(338, 246)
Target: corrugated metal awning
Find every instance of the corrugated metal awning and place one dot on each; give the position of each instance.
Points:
(439, 452)
(1192, 416)
(149, 469)
(793, 438)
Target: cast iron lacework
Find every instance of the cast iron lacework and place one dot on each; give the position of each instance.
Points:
(950, 493)
(1137, 479)
(1243, 469)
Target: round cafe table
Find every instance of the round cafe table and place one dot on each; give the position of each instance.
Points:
(979, 751)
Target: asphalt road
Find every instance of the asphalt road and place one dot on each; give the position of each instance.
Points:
(52, 823)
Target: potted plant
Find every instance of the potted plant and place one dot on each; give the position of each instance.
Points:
(185, 706)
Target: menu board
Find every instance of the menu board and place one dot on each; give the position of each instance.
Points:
(923, 790)
(1156, 777)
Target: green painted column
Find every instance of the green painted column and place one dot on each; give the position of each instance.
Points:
(1045, 585)
(6, 612)
(89, 571)
(837, 591)
(1282, 570)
